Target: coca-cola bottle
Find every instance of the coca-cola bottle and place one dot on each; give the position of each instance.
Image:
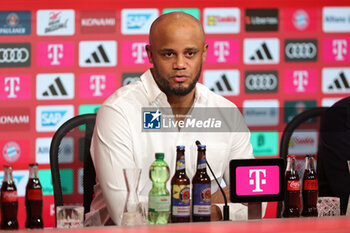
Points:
(34, 199)
(310, 188)
(292, 192)
(9, 201)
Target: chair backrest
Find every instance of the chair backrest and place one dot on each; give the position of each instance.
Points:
(71, 163)
(303, 122)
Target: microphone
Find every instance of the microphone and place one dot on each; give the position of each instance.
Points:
(226, 208)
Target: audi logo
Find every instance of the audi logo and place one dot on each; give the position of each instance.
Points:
(14, 55)
(261, 82)
(301, 50)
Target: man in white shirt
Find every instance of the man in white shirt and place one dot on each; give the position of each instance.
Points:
(177, 50)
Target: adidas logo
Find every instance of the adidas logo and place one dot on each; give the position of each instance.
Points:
(261, 51)
(222, 85)
(98, 56)
(97, 53)
(262, 54)
(339, 83)
(55, 86)
(56, 89)
(226, 83)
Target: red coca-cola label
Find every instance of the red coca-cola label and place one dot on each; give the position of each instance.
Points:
(310, 185)
(9, 196)
(293, 185)
(34, 195)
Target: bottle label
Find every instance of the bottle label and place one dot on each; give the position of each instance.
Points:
(158, 204)
(293, 185)
(201, 199)
(9, 196)
(201, 164)
(34, 194)
(181, 200)
(180, 164)
(310, 185)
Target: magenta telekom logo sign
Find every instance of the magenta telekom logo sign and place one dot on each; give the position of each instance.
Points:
(300, 81)
(336, 50)
(257, 180)
(134, 53)
(223, 52)
(99, 85)
(55, 54)
(15, 87)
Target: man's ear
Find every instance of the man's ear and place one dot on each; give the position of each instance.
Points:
(205, 51)
(149, 53)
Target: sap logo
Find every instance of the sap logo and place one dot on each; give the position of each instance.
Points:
(50, 118)
(138, 21)
(135, 21)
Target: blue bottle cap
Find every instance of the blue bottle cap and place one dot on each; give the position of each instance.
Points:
(180, 147)
(201, 146)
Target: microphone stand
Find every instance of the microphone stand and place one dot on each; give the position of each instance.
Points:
(226, 207)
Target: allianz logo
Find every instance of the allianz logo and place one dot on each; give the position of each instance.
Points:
(260, 112)
(51, 118)
(337, 19)
(136, 21)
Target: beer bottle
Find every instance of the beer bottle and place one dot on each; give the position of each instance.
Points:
(9, 201)
(292, 192)
(34, 199)
(310, 188)
(201, 189)
(159, 196)
(180, 190)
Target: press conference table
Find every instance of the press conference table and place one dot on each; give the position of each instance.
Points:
(319, 225)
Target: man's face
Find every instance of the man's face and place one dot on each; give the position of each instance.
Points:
(177, 53)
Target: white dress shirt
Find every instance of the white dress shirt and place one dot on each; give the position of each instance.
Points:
(118, 142)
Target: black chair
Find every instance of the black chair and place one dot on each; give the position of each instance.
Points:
(300, 121)
(77, 132)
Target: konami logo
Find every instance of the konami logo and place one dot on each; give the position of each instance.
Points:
(14, 119)
(96, 22)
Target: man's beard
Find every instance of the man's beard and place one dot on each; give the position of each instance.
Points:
(180, 90)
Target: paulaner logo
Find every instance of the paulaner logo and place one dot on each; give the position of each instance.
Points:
(195, 120)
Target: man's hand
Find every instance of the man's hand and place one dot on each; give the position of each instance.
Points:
(216, 214)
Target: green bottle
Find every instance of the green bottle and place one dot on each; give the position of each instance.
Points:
(159, 196)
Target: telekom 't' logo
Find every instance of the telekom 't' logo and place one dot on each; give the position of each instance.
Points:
(260, 174)
(257, 180)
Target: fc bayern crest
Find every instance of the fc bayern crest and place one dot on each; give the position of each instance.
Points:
(11, 151)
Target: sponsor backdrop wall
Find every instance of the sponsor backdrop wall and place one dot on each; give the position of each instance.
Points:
(63, 58)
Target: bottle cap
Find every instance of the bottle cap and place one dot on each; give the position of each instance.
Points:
(159, 155)
(201, 147)
(309, 156)
(292, 156)
(180, 147)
